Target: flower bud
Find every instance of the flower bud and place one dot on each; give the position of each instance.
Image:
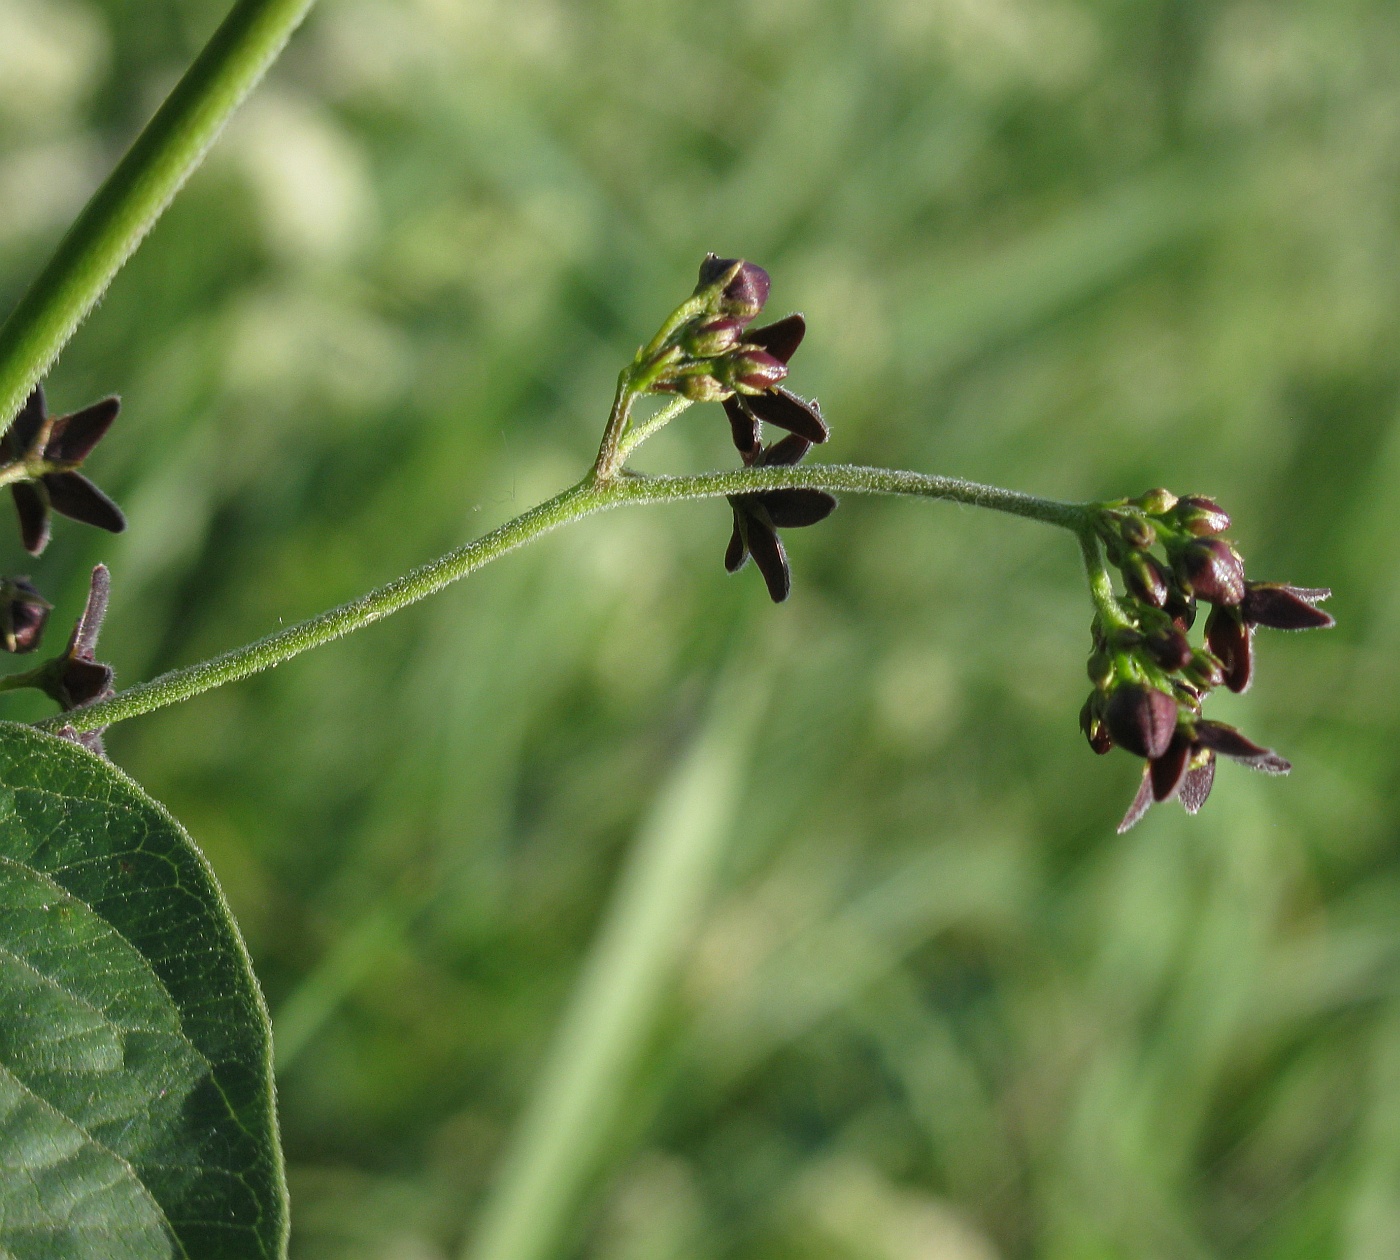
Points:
(1146, 579)
(1137, 532)
(751, 371)
(1212, 570)
(1201, 516)
(1092, 725)
(713, 337)
(743, 286)
(1141, 719)
(1100, 667)
(1230, 640)
(23, 615)
(1284, 607)
(1203, 670)
(701, 387)
(1169, 647)
(1156, 502)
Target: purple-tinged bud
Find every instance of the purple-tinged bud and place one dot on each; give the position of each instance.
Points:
(1180, 607)
(1156, 502)
(1168, 770)
(751, 371)
(1137, 533)
(713, 337)
(1203, 671)
(1283, 607)
(1169, 647)
(700, 387)
(1213, 571)
(1141, 719)
(1092, 725)
(23, 615)
(1231, 642)
(1146, 579)
(1201, 516)
(744, 285)
(1100, 667)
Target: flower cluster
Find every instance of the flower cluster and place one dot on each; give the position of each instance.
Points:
(714, 356)
(1149, 680)
(40, 456)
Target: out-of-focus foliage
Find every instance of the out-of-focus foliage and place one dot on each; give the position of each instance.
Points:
(935, 1008)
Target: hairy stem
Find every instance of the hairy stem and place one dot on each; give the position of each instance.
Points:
(134, 196)
(1100, 579)
(589, 496)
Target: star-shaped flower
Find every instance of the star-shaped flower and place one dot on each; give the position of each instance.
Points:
(759, 515)
(52, 448)
(755, 371)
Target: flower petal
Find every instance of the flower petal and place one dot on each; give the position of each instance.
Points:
(82, 644)
(785, 452)
(1228, 742)
(24, 428)
(72, 438)
(76, 497)
(743, 427)
(1140, 804)
(737, 553)
(768, 553)
(1167, 771)
(1283, 607)
(781, 407)
(793, 509)
(1195, 787)
(33, 509)
(780, 339)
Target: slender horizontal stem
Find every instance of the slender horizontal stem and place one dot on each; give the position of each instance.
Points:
(128, 204)
(589, 496)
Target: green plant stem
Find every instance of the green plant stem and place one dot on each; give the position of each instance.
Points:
(589, 496)
(1100, 579)
(128, 204)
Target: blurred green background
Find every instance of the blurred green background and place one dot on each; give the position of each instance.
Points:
(871, 976)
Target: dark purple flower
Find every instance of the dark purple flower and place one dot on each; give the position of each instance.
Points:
(1186, 767)
(55, 447)
(760, 514)
(23, 615)
(772, 402)
(78, 678)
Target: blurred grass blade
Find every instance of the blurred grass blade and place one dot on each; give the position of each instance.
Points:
(135, 195)
(651, 918)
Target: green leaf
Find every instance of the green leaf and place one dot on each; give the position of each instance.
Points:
(136, 1103)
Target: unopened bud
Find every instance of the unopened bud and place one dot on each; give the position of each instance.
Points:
(1137, 532)
(1203, 670)
(1201, 516)
(701, 387)
(1213, 571)
(1169, 647)
(1156, 502)
(751, 371)
(1092, 725)
(1141, 719)
(1100, 667)
(742, 286)
(1146, 579)
(712, 338)
(23, 615)
(1230, 641)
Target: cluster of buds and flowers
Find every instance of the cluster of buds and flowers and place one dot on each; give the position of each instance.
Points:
(714, 355)
(1149, 680)
(40, 456)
